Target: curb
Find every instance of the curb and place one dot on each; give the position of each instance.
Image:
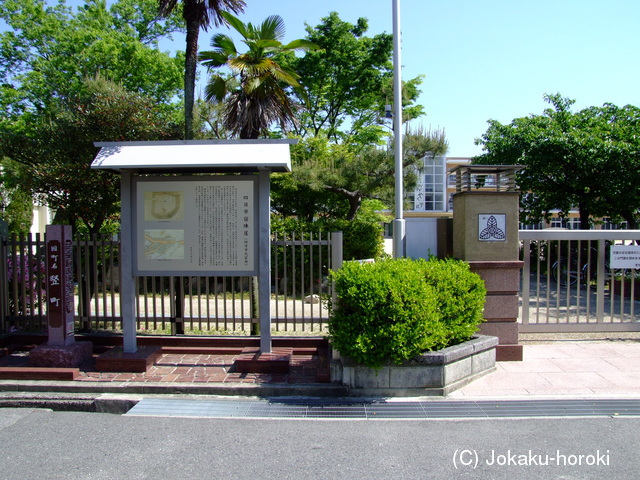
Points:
(119, 398)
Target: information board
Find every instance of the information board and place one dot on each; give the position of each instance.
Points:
(201, 225)
(625, 256)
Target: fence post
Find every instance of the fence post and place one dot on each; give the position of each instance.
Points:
(526, 280)
(600, 281)
(336, 258)
(4, 281)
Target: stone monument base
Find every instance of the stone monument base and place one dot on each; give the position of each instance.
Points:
(117, 360)
(253, 360)
(60, 356)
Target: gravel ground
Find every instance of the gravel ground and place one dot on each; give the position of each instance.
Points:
(542, 338)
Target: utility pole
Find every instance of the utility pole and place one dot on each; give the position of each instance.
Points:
(399, 222)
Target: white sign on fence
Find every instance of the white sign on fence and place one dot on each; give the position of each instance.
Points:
(625, 256)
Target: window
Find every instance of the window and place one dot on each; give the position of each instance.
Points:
(429, 193)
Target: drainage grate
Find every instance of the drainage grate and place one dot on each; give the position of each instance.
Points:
(380, 409)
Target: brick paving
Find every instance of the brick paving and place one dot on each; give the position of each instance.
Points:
(190, 368)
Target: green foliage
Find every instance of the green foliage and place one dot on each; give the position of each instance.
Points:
(333, 180)
(362, 238)
(460, 297)
(395, 309)
(587, 160)
(46, 52)
(346, 57)
(301, 270)
(52, 153)
(16, 205)
(255, 93)
(344, 155)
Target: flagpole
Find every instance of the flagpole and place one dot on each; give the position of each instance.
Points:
(399, 222)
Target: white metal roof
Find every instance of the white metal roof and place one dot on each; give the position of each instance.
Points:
(195, 156)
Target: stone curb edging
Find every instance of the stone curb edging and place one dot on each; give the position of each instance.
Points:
(432, 373)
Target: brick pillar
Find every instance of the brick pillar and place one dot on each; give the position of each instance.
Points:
(502, 281)
(485, 234)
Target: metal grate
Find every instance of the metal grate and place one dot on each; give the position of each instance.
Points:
(372, 410)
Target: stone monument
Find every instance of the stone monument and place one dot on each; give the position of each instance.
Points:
(61, 350)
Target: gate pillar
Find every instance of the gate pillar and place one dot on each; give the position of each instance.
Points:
(485, 234)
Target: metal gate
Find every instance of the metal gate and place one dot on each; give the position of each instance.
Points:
(568, 286)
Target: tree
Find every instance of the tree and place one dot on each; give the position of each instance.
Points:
(612, 134)
(197, 14)
(342, 158)
(259, 98)
(47, 52)
(16, 205)
(586, 160)
(331, 179)
(52, 152)
(46, 55)
(348, 81)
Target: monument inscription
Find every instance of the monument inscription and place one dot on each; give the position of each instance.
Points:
(59, 281)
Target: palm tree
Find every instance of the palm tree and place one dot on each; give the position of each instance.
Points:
(197, 14)
(260, 98)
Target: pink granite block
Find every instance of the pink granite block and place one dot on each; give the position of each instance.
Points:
(60, 356)
(499, 277)
(501, 307)
(507, 332)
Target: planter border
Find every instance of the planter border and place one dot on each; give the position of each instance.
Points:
(432, 373)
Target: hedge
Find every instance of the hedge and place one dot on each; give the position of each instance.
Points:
(395, 309)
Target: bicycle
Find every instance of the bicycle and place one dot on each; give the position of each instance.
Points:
(567, 272)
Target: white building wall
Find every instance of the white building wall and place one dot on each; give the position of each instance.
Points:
(41, 218)
(421, 237)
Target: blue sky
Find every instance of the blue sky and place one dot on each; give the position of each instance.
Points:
(489, 59)
(494, 59)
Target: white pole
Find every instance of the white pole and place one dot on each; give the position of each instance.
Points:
(398, 223)
(127, 282)
(264, 261)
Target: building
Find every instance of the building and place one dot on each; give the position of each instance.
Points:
(433, 197)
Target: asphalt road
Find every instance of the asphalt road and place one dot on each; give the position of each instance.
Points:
(42, 444)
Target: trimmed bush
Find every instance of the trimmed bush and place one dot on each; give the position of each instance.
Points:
(362, 237)
(460, 295)
(395, 309)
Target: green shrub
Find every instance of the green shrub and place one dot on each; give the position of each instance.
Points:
(460, 296)
(362, 238)
(395, 309)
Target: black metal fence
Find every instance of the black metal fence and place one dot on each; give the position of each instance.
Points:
(170, 305)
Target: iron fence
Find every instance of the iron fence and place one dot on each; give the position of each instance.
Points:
(568, 285)
(300, 265)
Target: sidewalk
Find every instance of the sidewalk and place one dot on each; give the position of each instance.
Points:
(564, 368)
(558, 369)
